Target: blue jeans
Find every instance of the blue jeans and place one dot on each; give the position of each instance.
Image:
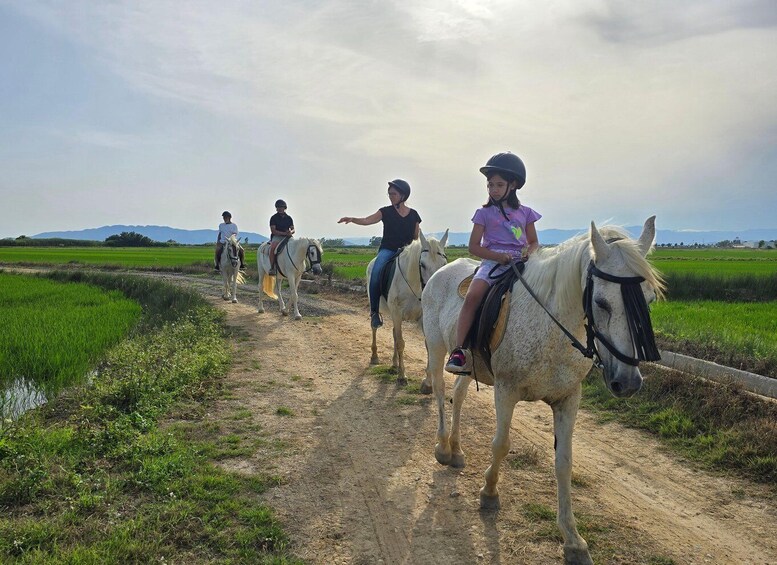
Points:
(380, 261)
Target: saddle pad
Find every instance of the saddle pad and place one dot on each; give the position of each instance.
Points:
(464, 285)
(501, 322)
(282, 244)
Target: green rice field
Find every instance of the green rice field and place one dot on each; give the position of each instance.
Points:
(139, 257)
(716, 261)
(52, 333)
(739, 334)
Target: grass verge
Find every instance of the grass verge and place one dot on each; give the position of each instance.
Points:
(721, 427)
(93, 477)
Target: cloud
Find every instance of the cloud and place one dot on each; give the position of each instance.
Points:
(616, 101)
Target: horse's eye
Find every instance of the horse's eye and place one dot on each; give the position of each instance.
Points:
(603, 304)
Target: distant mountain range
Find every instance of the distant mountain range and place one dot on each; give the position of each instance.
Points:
(549, 236)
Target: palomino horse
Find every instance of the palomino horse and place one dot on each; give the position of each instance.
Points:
(290, 263)
(535, 360)
(415, 265)
(229, 266)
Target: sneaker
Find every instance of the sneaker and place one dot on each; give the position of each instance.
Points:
(459, 362)
(375, 320)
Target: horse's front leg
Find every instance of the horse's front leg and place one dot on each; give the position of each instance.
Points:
(460, 388)
(399, 348)
(294, 300)
(374, 359)
(500, 446)
(234, 288)
(225, 280)
(564, 415)
(260, 272)
(281, 303)
(434, 373)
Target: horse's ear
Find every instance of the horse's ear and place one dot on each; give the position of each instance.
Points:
(601, 249)
(648, 235)
(423, 239)
(444, 240)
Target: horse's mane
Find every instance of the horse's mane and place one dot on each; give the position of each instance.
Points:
(551, 268)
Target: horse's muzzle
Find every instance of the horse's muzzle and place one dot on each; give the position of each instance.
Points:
(623, 380)
(317, 269)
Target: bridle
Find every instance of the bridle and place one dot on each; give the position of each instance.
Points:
(637, 314)
(312, 255)
(232, 253)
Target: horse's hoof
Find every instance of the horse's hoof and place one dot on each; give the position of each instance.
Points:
(577, 556)
(457, 461)
(488, 502)
(234, 301)
(298, 317)
(401, 381)
(260, 310)
(425, 388)
(374, 361)
(443, 457)
(284, 313)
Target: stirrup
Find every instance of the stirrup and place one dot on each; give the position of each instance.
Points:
(456, 364)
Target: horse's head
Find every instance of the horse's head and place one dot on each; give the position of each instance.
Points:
(619, 284)
(432, 257)
(233, 246)
(314, 254)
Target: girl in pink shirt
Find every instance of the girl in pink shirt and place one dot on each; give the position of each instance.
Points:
(503, 232)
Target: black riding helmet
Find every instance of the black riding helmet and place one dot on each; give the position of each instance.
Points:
(280, 204)
(225, 213)
(402, 186)
(506, 163)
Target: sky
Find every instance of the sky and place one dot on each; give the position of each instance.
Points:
(167, 113)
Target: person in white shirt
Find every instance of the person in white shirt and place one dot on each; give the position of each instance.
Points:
(226, 229)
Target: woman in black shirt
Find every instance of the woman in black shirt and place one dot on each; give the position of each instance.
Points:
(401, 225)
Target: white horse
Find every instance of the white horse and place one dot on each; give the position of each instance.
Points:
(535, 360)
(290, 263)
(230, 268)
(415, 265)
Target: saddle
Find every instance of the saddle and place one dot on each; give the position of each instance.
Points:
(491, 317)
(388, 273)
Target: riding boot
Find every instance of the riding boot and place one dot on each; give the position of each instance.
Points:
(272, 270)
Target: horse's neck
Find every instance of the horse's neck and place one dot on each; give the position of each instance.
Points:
(556, 277)
(298, 249)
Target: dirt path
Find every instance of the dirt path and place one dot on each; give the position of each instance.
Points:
(360, 485)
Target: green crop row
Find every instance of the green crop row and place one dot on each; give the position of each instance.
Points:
(52, 333)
